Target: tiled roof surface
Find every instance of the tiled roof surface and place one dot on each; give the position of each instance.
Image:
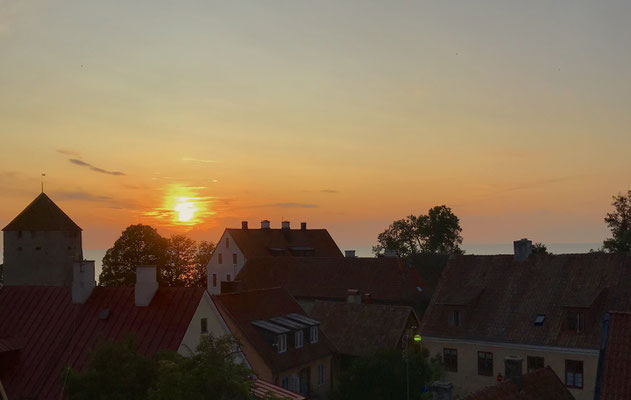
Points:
(499, 298)
(57, 333)
(616, 378)
(263, 389)
(386, 279)
(258, 242)
(362, 329)
(42, 215)
(542, 384)
(244, 307)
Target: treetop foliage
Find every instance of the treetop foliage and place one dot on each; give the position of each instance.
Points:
(619, 222)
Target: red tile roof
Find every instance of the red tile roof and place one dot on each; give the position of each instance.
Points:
(42, 215)
(258, 242)
(542, 384)
(499, 298)
(616, 378)
(362, 329)
(263, 389)
(57, 333)
(244, 307)
(386, 279)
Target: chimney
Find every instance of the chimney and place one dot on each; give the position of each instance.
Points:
(367, 298)
(244, 225)
(82, 281)
(523, 249)
(353, 296)
(303, 226)
(442, 390)
(231, 287)
(285, 224)
(390, 253)
(349, 253)
(265, 224)
(513, 370)
(146, 285)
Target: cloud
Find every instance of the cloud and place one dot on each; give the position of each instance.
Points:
(330, 191)
(84, 196)
(93, 168)
(69, 152)
(200, 160)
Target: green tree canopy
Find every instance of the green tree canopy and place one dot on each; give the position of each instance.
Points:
(117, 370)
(540, 248)
(437, 232)
(180, 260)
(619, 222)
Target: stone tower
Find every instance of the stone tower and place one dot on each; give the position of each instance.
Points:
(40, 246)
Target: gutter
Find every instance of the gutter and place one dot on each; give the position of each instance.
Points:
(565, 350)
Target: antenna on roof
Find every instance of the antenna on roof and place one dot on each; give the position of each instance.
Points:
(42, 179)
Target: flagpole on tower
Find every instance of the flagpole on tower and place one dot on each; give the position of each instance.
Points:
(42, 178)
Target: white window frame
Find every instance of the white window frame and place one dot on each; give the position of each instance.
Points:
(281, 343)
(299, 339)
(313, 334)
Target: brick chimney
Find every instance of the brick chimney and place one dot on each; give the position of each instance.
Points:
(353, 296)
(146, 285)
(244, 225)
(349, 253)
(82, 281)
(303, 226)
(523, 249)
(442, 390)
(285, 224)
(265, 224)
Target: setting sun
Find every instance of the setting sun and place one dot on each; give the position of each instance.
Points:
(185, 209)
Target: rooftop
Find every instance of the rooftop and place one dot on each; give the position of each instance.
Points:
(616, 378)
(42, 215)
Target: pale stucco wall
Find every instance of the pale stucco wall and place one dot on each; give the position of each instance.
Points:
(467, 380)
(43, 258)
(193, 333)
(320, 390)
(226, 267)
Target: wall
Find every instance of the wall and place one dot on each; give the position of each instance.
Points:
(467, 380)
(193, 334)
(227, 267)
(51, 265)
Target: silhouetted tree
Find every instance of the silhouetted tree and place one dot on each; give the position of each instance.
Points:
(437, 232)
(540, 248)
(619, 221)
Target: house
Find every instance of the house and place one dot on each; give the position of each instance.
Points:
(545, 310)
(616, 362)
(542, 384)
(360, 329)
(237, 246)
(388, 280)
(40, 246)
(281, 343)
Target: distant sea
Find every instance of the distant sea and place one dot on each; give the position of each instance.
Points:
(366, 251)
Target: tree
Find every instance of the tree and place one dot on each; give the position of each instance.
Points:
(117, 370)
(137, 245)
(198, 275)
(382, 376)
(619, 222)
(437, 232)
(180, 259)
(540, 248)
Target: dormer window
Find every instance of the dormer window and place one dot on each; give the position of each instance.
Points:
(454, 318)
(575, 321)
(281, 343)
(539, 319)
(313, 334)
(298, 339)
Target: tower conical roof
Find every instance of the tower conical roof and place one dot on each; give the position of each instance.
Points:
(42, 215)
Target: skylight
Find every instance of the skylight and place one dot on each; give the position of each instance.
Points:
(539, 319)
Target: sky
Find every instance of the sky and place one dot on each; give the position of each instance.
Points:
(191, 116)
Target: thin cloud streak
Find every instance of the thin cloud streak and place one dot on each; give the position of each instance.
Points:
(199, 160)
(93, 168)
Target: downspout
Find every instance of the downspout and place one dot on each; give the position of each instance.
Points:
(601, 356)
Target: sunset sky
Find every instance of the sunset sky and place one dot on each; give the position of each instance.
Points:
(344, 114)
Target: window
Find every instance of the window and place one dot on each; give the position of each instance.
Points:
(19, 234)
(227, 243)
(574, 374)
(204, 323)
(575, 321)
(454, 318)
(281, 343)
(220, 258)
(285, 382)
(321, 374)
(539, 319)
(228, 277)
(450, 359)
(215, 280)
(485, 363)
(313, 334)
(38, 248)
(234, 258)
(298, 338)
(534, 363)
